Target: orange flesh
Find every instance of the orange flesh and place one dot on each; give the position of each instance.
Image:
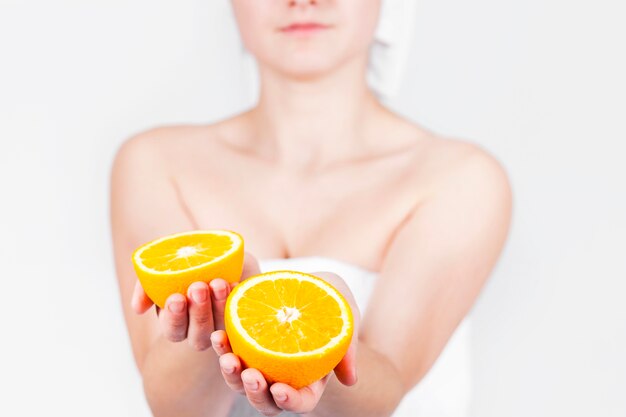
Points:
(289, 315)
(185, 252)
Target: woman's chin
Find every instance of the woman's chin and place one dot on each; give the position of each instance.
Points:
(306, 73)
(304, 69)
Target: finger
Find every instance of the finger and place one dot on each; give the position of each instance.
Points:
(139, 301)
(220, 343)
(200, 316)
(258, 393)
(250, 266)
(173, 318)
(231, 371)
(346, 369)
(219, 292)
(299, 401)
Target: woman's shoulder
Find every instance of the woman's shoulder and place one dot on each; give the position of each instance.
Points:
(171, 143)
(450, 163)
(441, 155)
(168, 138)
(459, 157)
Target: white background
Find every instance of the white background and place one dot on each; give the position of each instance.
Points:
(539, 83)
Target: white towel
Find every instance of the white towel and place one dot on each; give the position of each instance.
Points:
(390, 50)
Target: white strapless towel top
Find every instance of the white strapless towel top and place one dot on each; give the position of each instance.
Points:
(446, 390)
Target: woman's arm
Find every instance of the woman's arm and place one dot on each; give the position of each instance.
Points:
(180, 379)
(433, 270)
(377, 393)
(432, 273)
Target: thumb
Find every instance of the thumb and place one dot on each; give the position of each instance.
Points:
(139, 301)
(346, 369)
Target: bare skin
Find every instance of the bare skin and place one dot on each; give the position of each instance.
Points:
(400, 200)
(318, 167)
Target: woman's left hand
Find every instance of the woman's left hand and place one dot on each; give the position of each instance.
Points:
(272, 400)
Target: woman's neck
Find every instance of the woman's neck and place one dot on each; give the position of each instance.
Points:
(309, 124)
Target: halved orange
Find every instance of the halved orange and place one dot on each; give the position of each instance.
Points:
(170, 264)
(292, 326)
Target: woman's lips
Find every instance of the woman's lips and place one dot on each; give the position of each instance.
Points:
(304, 28)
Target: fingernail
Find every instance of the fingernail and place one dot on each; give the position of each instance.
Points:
(228, 370)
(252, 385)
(280, 396)
(199, 295)
(176, 307)
(220, 293)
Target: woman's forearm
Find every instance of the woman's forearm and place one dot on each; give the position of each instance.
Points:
(377, 393)
(180, 381)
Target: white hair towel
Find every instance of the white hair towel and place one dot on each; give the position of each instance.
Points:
(392, 43)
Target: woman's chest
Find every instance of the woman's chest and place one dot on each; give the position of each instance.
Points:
(349, 215)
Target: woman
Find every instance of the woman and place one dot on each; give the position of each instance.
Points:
(319, 172)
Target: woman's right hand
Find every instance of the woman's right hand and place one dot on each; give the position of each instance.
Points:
(195, 315)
